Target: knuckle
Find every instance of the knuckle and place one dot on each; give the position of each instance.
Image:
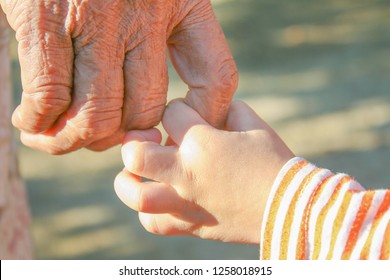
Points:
(197, 135)
(56, 149)
(90, 130)
(95, 122)
(219, 91)
(51, 102)
(227, 78)
(194, 146)
(144, 204)
(41, 108)
(33, 124)
(48, 99)
(87, 134)
(81, 131)
(217, 94)
(145, 117)
(139, 158)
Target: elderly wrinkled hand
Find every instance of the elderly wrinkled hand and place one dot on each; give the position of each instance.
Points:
(92, 70)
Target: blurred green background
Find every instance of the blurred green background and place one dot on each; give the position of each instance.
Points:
(317, 71)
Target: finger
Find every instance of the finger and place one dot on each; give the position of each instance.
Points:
(152, 134)
(152, 161)
(147, 197)
(120, 137)
(95, 112)
(179, 118)
(146, 82)
(46, 61)
(166, 225)
(242, 118)
(201, 56)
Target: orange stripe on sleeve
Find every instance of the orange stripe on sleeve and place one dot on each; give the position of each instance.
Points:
(291, 213)
(322, 216)
(357, 224)
(381, 210)
(385, 251)
(266, 245)
(303, 233)
(338, 222)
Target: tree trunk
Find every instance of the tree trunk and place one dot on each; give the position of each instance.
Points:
(15, 241)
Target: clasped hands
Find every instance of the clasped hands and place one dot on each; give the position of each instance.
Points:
(93, 70)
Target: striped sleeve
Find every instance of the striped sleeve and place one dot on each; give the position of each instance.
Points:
(312, 213)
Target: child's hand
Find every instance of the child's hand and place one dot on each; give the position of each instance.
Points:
(214, 184)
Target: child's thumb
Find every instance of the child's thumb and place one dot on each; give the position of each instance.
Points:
(179, 118)
(242, 118)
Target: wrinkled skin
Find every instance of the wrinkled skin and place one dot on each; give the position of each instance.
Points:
(92, 70)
